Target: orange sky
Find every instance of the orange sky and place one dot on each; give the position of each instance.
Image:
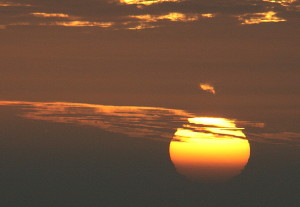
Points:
(153, 55)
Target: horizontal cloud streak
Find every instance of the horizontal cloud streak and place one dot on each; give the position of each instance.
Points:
(147, 122)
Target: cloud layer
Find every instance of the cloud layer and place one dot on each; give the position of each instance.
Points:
(142, 14)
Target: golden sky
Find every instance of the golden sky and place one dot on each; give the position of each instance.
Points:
(153, 54)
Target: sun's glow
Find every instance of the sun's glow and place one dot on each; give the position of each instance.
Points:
(204, 149)
(211, 121)
(212, 150)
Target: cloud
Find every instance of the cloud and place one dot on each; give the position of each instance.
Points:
(58, 15)
(135, 121)
(149, 122)
(250, 124)
(2, 26)
(145, 21)
(282, 2)
(290, 138)
(146, 2)
(208, 87)
(12, 4)
(129, 14)
(81, 24)
(257, 18)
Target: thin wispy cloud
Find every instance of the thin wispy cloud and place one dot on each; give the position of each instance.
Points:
(149, 122)
(292, 138)
(282, 2)
(146, 2)
(13, 4)
(59, 15)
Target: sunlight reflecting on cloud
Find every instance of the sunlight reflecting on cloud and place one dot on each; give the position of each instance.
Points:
(151, 122)
(59, 15)
(146, 2)
(208, 87)
(134, 121)
(145, 14)
(174, 17)
(218, 122)
(12, 4)
(282, 2)
(144, 21)
(251, 124)
(73, 21)
(257, 18)
(141, 27)
(208, 15)
(81, 24)
(68, 24)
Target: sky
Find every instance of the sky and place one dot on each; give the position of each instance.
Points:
(153, 53)
(86, 85)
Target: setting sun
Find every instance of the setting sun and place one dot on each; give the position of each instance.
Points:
(205, 155)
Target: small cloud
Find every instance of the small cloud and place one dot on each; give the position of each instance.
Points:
(59, 15)
(70, 24)
(146, 2)
(251, 124)
(2, 26)
(207, 87)
(281, 2)
(12, 4)
(257, 18)
(82, 24)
